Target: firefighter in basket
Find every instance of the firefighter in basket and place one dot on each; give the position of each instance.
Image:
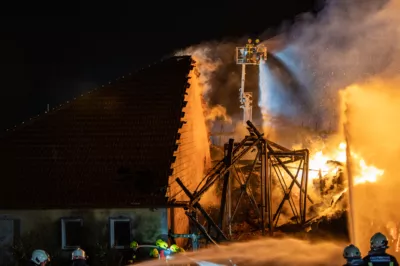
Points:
(250, 51)
(261, 51)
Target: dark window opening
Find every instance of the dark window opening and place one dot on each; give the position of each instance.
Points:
(122, 232)
(72, 233)
(9, 232)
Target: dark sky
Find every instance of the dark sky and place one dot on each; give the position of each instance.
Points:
(50, 54)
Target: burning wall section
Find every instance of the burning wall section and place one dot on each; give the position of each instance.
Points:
(371, 116)
(193, 153)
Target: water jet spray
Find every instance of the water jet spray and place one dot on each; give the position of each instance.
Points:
(351, 215)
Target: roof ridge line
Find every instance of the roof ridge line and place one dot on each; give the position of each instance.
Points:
(182, 121)
(58, 107)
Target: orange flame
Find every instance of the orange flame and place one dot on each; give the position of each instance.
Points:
(363, 172)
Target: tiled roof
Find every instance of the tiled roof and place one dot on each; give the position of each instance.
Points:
(110, 148)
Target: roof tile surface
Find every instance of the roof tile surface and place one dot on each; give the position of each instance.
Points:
(107, 149)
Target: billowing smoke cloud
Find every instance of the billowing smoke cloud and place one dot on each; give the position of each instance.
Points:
(218, 111)
(348, 42)
(272, 252)
(221, 75)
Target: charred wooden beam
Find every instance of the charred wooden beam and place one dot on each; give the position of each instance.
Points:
(202, 211)
(228, 162)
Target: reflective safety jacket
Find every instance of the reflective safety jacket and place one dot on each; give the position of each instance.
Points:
(381, 259)
(355, 262)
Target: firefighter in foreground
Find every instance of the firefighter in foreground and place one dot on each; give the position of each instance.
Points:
(39, 257)
(132, 254)
(162, 251)
(79, 258)
(176, 249)
(352, 255)
(377, 255)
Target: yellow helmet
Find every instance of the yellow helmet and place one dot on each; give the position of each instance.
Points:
(351, 252)
(134, 245)
(257, 40)
(154, 253)
(174, 248)
(161, 244)
(379, 241)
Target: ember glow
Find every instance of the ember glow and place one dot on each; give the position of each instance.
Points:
(319, 165)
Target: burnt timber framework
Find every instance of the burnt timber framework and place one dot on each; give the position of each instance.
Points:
(272, 165)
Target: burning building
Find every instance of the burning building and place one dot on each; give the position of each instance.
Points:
(113, 150)
(297, 116)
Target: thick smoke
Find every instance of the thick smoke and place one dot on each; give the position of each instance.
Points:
(272, 252)
(348, 42)
(220, 76)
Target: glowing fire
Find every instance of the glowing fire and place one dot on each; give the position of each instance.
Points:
(363, 172)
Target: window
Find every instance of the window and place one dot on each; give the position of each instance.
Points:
(9, 231)
(120, 233)
(71, 233)
(9, 234)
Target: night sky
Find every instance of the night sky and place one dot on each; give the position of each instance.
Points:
(50, 54)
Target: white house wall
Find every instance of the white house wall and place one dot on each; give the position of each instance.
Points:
(45, 225)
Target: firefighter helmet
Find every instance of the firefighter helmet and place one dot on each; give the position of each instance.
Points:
(39, 256)
(174, 248)
(351, 252)
(161, 244)
(134, 244)
(78, 254)
(154, 253)
(379, 241)
(257, 40)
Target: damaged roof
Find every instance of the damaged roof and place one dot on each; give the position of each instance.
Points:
(111, 148)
